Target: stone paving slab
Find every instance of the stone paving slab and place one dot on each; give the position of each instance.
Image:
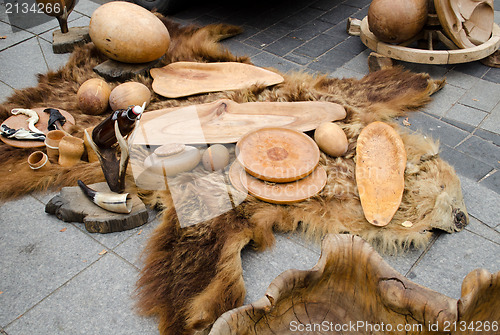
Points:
(444, 267)
(464, 164)
(12, 38)
(481, 202)
(482, 150)
(39, 254)
(97, 301)
(5, 91)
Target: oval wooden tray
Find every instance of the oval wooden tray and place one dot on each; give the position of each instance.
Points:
(225, 121)
(278, 193)
(182, 79)
(380, 167)
(277, 155)
(21, 121)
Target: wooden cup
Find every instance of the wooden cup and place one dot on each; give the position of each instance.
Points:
(70, 150)
(39, 161)
(52, 143)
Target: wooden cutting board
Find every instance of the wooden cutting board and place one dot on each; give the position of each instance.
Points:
(182, 79)
(225, 121)
(278, 193)
(380, 167)
(277, 155)
(21, 121)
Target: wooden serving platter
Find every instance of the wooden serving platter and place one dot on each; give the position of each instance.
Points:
(182, 79)
(278, 193)
(225, 121)
(277, 155)
(21, 121)
(380, 167)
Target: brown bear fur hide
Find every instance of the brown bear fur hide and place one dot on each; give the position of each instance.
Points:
(193, 274)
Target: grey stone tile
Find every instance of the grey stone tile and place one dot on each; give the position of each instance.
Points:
(54, 61)
(87, 7)
(265, 59)
(12, 37)
(239, 48)
(283, 45)
(133, 247)
(332, 60)
(324, 4)
(466, 114)
(338, 14)
(444, 100)
(492, 182)
(37, 257)
(437, 129)
(318, 45)
(359, 3)
(306, 15)
(404, 262)
(479, 228)
(482, 150)
(460, 79)
(435, 71)
(351, 45)
(361, 14)
(444, 266)
(5, 91)
(464, 126)
(260, 268)
(97, 301)
(481, 202)
(268, 36)
(488, 135)
(347, 73)
(493, 74)
(359, 63)
(492, 122)
(464, 164)
(310, 30)
(483, 95)
(299, 59)
(21, 63)
(247, 33)
(476, 69)
(27, 15)
(205, 20)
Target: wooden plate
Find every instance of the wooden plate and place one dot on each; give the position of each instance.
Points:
(278, 193)
(21, 121)
(277, 154)
(182, 79)
(225, 121)
(380, 167)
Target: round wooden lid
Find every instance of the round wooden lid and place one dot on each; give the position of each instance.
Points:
(278, 193)
(380, 167)
(21, 121)
(277, 154)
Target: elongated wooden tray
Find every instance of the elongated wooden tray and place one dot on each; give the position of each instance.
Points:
(225, 121)
(182, 79)
(277, 155)
(21, 121)
(278, 193)
(380, 167)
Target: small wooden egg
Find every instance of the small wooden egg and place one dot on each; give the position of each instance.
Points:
(215, 158)
(331, 139)
(127, 94)
(128, 33)
(93, 96)
(396, 21)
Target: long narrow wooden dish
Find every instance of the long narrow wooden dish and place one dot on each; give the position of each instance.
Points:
(380, 167)
(352, 290)
(424, 56)
(21, 121)
(278, 193)
(182, 79)
(225, 121)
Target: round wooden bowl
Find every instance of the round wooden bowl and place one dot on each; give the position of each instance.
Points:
(277, 155)
(21, 121)
(278, 193)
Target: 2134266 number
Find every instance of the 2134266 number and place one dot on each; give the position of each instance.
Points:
(34, 8)
(474, 326)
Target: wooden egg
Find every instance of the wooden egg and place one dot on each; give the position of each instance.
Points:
(331, 139)
(215, 158)
(93, 96)
(128, 33)
(130, 93)
(396, 21)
